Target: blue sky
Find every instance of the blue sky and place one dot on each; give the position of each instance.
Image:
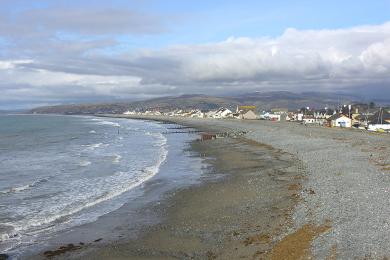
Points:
(146, 48)
(191, 22)
(205, 21)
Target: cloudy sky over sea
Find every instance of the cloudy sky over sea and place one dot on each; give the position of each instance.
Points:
(54, 52)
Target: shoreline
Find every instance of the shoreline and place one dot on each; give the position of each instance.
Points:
(125, 221)
(237, 215)
(239, 209)
(340, 204)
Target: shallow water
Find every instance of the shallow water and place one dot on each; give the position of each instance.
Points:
(59, 172)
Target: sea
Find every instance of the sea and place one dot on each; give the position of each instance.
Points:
(58, 173)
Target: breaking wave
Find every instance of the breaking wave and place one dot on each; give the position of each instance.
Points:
(23, 187)
(115, 185)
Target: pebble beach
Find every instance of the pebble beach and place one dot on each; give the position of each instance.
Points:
(348, 175)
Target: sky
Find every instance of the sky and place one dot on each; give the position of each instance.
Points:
(77, 51)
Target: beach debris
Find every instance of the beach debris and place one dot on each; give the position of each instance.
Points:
(179, 127)
(211, 136)
(206, 136)
(61, 250)
(182, 132)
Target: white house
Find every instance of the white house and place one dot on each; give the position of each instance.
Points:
(220, 113)
(339, 120)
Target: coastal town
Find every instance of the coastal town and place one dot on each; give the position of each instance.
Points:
(358, 116)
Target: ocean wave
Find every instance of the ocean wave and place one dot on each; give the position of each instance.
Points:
(105, 122)
(84, 163)
(85, 194)
(92, 132)
(16, 189)
(43, 219)
(92, 147)
(154, 169)
(108, 123)
(117, 158)
(23, 187)
(8, 237)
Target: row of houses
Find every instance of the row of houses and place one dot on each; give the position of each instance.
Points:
(242, 112)
(347, 116)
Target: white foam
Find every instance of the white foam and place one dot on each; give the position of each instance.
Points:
(96, 145)
(22, 187)
(84, 163)
(101, 121)
(109, 123)
(117, 158)
(62, 210)
(8, 237)
(84, 193)
(92, 132)
(92, 147)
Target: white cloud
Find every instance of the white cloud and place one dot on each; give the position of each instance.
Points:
(362, 52)
(301, 60)
(11, 64)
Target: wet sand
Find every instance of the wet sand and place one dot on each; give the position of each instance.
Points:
(236, 216)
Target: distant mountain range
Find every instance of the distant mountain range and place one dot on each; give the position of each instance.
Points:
(262, 100)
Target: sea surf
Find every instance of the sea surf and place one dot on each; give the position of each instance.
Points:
(60, 172)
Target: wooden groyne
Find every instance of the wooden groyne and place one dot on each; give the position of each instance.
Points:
(179, 127)
(208, 136)
(182, 132)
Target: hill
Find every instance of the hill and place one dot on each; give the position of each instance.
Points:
(263, 101)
